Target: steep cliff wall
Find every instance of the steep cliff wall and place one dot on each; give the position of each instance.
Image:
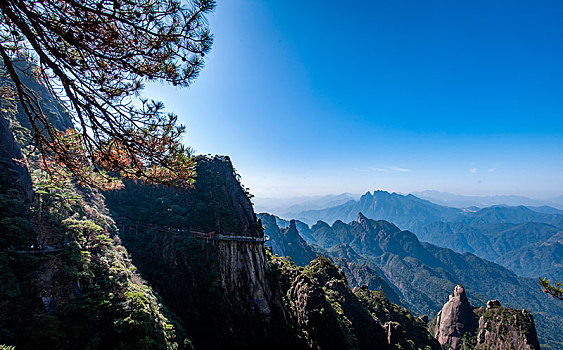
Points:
(65, 283)
(217, 288)
(14, 174)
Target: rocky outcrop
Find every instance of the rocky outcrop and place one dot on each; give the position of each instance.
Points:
(502, 328)
(499, 328)
(326, 314)
(11, 164)
(455, 318)
(287, 241)
(323, 310)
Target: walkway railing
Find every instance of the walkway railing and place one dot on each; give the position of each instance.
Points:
(45, 250)
(201, 235)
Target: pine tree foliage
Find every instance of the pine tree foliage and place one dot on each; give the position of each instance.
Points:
(555, 289)
(95, 56)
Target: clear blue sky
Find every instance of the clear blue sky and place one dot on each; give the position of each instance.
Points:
(313, 97)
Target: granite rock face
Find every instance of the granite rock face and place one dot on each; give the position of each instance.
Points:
(326, 314)
(502, 328)
(455, 318)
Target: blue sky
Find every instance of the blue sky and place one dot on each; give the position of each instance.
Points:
(315, 97)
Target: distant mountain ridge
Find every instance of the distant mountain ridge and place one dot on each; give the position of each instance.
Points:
(381, 205)
(461, 201)
(291, 206)
(516, 237)
(410, 212)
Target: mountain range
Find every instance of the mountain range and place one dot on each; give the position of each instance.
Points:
(519, 238)
(382, 256)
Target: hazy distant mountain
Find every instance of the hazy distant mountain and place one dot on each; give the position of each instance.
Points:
(404, 211)
(546, 209)
(461, 201)
(290, 207)
(411, 213)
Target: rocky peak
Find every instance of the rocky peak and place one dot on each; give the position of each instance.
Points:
(455, 318)
(491, 304)
(505, 328)
(291, 231)
(364, 222)
(361, 218)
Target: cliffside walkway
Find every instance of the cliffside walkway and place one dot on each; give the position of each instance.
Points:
(39, 251)
(201, 235)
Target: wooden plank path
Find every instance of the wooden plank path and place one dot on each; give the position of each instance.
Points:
(202, 235)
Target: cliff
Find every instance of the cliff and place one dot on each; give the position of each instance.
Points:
(65, 281)
(458, 326)
(14, 174)
(217, 288)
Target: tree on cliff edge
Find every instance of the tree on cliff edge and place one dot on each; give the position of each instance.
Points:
(94, 56)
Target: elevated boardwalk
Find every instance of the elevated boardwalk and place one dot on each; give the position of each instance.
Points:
(201, 235)
(45, 250)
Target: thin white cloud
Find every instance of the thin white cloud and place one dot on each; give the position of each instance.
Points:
(395, 168)
(473, 170)
(492, 170)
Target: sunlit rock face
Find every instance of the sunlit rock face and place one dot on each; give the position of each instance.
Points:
(455, 318)
(504, 328)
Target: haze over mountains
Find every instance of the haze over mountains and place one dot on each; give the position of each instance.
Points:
(524, 240)
(290, 206)
(461, 201)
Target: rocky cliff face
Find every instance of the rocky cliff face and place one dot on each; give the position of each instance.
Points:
(326, 314)
(217, 288)
(458, 326)
(10, 155)
(502, 328)
(65, 283)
